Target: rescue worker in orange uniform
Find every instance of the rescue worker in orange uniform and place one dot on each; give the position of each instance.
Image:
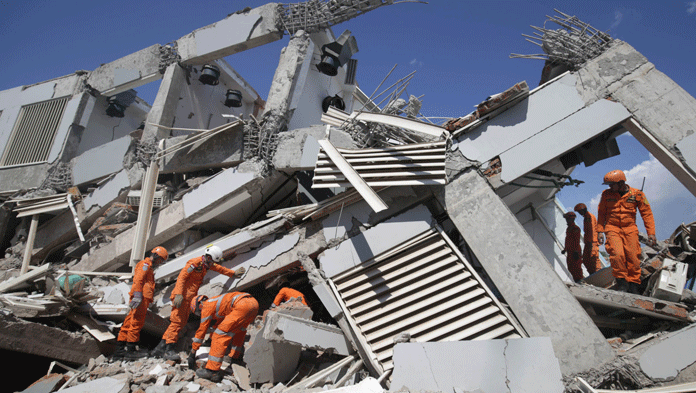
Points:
(590, 252)
(141, 295)
(617, 219)
(228, 315)
(187, 285)
(286, 294)
(572, 247)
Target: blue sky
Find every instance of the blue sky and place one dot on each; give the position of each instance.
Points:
(459, 49)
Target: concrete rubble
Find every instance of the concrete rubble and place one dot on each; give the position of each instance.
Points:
(381, 220)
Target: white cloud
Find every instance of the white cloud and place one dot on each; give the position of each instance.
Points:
(691, 7)
(413, 62)
(416, 62)
(618, 17)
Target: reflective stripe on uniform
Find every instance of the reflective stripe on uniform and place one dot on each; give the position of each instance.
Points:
(206, 318)
(214, 358)
(190, 269)
(233, 348)
(198, 340)
(223, 333)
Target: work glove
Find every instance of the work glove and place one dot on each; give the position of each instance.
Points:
(239, 272)
(652, 240)
(178, 299)
(600, 238)
(192, 360)
(137, 299)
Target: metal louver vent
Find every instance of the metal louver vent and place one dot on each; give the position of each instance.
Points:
(424, 287)
(34, 132)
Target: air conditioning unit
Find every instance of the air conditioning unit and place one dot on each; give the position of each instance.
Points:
(671, 281)
(161, 198)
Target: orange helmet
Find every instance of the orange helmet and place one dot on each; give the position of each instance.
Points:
(614, 176)
(580, 206)
(196, 304)
(569, 215)
(161, 252)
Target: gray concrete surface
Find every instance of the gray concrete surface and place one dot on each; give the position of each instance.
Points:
(306, 333)
(100, 161)
(127, 72)
(523, 276)
(514, 365)
(664, 360)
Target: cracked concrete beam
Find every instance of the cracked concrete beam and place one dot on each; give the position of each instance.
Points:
(298, 149)
(37, 339)
(306, 333)
(127, 72)
(522, 274)
(644, 305)
(236, 33)
(515, 366)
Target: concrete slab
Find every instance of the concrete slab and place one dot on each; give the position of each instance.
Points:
(514, 365)
(127, 72)
(522, 274)
(367, 385)
(238, 32)
(269, 361)
(298, 149)
(643, 305)
(46, 384)
(100, 161)
(116, 294)
(375, 240)
(106, 193)
(102, 385)
(667, 358)
(307, 334)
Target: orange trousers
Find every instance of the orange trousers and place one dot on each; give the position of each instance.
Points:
(624, 253)
(134, 322)
(574, 266)
(177, 320)
(231, 329)
(591, 260)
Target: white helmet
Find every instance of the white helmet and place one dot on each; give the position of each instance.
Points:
(215, 252)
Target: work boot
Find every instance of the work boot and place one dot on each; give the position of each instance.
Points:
(158, 352)
(621, 285)
(170, 353)
(133, 352)
(634, 288)
(120, 351)
(212, 376)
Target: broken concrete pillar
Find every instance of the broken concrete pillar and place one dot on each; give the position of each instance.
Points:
(127, 72)
(165, 105)
(523, 276)
(270, 361)
(41, 340)
(238, 32)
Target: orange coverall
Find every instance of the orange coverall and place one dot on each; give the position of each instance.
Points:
(143, 281)
(617, 218)
(229, 315)
(573, 251)
(286, 294)
(187, 284)
(590, 253)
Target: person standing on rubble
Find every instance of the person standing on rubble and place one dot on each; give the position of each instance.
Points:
(617, 219)
(572, 247)
(590, 252)
(186, 288)
(228, 315)
(141, 295)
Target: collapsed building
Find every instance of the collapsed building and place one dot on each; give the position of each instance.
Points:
(381, 218)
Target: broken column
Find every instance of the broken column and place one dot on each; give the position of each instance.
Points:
(523, 276)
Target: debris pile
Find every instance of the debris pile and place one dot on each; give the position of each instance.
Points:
(368, 239)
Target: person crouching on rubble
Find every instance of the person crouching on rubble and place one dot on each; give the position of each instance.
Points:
(186, 288)
(572, 247)
(590, 253)
(617, 218)
(141, 295)
(228, 315)
(286, 294)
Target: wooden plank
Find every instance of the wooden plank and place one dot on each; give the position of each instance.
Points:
(98, 331)
(24, 278)
(370, 196)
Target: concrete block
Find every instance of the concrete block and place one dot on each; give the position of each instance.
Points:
(47, 384)
(100, 161)
(106, 193)
(116, 294)
(664, 360)
(71, 115)
(298, 149)
(113, 384)
(375, 240)
(328, 299)
(367, 385)
(513, 365)
(305, 333)
(602, 278)
(269, 361)
(236, 33)
(221, 151)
